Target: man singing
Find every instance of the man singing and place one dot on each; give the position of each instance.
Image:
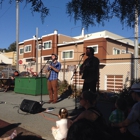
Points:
(52, 84)
(90, 71)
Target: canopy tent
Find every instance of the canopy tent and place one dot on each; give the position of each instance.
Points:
(6, 62)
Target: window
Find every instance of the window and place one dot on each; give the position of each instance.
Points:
(116, 51)
(67, 54)
(95, 47)
(47, 45)
(21, 51)
(29, 60)
(123, 51)
(27, 48)
(39, 47)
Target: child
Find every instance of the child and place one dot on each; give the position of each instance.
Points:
(117, 116)
(11, 137)
(60, 131)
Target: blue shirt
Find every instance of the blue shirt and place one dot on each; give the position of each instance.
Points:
(54, 74)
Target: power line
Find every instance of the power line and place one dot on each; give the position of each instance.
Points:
(6, 11)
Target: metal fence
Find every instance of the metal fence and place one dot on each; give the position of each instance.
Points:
(115, 74)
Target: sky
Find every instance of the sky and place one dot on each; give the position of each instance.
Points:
(56, 20)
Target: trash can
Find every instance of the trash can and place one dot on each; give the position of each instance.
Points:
(31, 85)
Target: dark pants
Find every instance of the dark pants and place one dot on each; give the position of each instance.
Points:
(89, 86)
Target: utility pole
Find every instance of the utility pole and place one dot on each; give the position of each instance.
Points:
(136, 44)
(17, 33)
(37, 50)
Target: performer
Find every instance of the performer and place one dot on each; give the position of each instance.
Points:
(90, 71)
(52, 83)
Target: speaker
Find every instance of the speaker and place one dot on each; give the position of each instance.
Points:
(30, 106)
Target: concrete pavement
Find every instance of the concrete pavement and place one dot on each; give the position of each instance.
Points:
(40, 123)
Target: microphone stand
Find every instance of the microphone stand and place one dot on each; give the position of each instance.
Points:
(41, 101)
(74, 74)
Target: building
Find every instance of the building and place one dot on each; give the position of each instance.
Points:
(114, 52)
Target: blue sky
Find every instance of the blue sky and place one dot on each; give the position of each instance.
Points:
(56, 20)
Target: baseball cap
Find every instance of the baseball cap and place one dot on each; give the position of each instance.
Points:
(135, 87)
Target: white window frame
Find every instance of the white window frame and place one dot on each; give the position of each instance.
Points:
(27, 50)
(67, 51)
(94, 46)
(123, 51)
(117, 50)
(49, 47)
(39, 48)
(19, 51)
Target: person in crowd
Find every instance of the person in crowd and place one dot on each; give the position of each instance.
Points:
(90, 70)
(88, 101)
(52, 81)
(132, 122)
(118, 115)
(91, 112)
(11, 137)
(85, 129)
(2, 77)
(60, 130)
(11, 82)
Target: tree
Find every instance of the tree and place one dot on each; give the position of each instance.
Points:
(12, 47)
(91, 12)
(36, 6)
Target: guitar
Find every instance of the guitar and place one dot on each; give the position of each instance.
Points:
(48, 73)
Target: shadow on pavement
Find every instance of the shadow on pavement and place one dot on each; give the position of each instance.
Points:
(28, 137)
(4, 129)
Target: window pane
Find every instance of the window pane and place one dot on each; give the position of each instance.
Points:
(47, 45)
(68, 54)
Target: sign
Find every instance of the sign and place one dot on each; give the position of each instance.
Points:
(20, 61)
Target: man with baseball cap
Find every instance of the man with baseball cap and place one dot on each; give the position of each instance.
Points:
(132, 122)
(52, 84)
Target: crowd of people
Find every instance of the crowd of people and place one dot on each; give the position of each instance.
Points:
(90, 124)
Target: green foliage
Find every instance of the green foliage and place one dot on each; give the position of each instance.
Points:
(36, 6)
(62, 86)
(91, 12)
(12, 47)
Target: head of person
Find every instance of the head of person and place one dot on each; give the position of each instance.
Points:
(54, 57)
(63, 113)
(89, 51)
(84, 129)
(135, 91)
(121, 104)
(88, 98)
(16, 73)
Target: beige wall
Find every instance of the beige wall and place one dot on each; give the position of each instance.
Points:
(13, 56)
(78, 50)
(114, 44)
(114, 69)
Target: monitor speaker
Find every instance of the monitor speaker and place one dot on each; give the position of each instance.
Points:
(30, 106)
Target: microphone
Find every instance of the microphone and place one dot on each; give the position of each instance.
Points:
(82, 54)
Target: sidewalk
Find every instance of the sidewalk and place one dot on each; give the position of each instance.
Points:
(38, 125)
